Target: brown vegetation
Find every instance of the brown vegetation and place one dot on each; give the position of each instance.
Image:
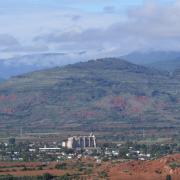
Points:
(147, 170)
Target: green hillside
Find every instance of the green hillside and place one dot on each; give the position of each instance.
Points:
(111, 97)
(169, 65)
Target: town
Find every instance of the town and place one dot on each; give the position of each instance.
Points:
(77, 147)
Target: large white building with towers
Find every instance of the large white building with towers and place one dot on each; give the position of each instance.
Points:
(82, 142)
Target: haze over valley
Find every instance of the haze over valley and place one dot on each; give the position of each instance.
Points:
(89, 89)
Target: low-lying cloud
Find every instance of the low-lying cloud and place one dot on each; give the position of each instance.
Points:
(151, 26)
(7, 40)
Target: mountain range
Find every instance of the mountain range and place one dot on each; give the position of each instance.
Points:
(162, 60)
(114, 98)
(166, 61)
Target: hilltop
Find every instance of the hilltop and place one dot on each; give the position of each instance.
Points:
(112, 97)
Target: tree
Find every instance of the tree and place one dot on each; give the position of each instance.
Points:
(47, 176)
(168, 177)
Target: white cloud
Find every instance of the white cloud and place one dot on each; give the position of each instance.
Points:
(150, 26)
(146, 27)
(7, 40)
(109, 9)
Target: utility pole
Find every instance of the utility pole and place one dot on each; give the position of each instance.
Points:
(143, 134)
(21, 132)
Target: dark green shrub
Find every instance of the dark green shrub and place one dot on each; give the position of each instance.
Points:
(47, 176)
(174, 165)
(61, 166)
(168, 177)
(103, 174)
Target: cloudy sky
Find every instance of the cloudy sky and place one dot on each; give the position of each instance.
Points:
(88, 28)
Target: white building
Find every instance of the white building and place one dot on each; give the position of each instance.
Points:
(46, 149)
(80, 142)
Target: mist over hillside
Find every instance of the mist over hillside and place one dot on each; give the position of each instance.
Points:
(164, 61)
(28, 63)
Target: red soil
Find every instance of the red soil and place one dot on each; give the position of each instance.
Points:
(132, 170)
(146, 170)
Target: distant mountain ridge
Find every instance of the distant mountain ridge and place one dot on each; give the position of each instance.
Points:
(168, 65)
(167, 61)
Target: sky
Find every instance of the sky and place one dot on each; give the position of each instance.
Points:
(86, 29)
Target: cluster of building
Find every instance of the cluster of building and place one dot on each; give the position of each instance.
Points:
(76, 147)
(136, 154)
(81, 142)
